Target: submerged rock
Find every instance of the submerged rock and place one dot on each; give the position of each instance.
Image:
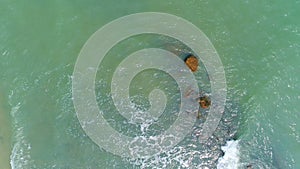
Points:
(192, 62)
(204, 102)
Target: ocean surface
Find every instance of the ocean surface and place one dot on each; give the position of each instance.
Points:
(258, 43)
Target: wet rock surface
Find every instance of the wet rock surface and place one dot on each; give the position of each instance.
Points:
(192, 62)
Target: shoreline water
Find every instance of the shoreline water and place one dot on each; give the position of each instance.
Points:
(5, 136)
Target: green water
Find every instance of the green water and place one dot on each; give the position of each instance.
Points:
(258, 43)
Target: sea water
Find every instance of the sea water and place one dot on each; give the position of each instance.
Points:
(257, 41)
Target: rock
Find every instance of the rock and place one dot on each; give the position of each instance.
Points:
(204, 102)
(192, 62)
(249, 166)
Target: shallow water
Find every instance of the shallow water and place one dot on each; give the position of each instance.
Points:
(5, 134)
(258, 43)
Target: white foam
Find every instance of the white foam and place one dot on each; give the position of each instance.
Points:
(20, 155)
(230, 160)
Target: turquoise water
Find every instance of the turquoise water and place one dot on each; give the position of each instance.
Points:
(258, 43)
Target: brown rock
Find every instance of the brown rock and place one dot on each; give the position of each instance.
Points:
(192, 62)
(204, 102)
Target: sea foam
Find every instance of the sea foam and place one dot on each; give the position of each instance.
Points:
(230, 160)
